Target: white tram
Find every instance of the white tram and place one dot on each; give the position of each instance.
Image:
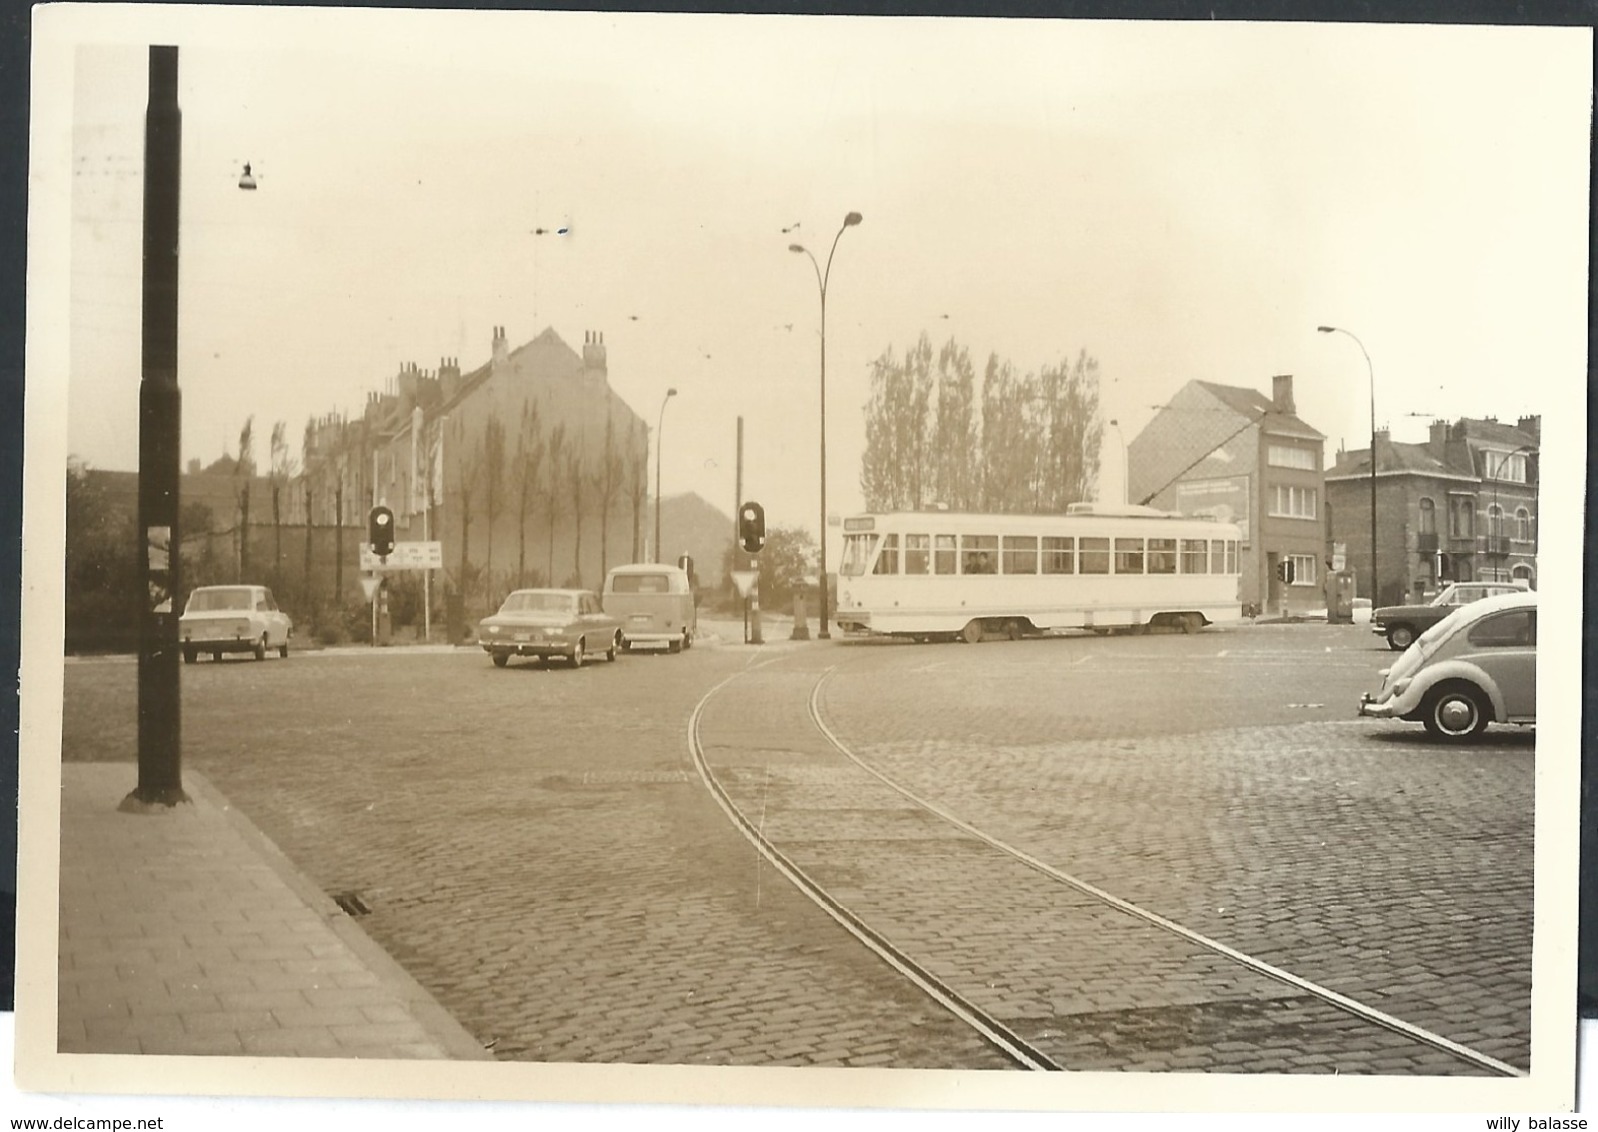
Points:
(926, 574)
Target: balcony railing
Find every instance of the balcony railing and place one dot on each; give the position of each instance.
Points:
(1426, 542)
(1496, 545)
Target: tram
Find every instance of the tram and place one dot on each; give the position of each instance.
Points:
(931, 574)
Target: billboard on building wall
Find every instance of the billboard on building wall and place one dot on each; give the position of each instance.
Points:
(1224, 499)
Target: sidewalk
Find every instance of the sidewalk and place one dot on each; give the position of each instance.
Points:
(187, 932)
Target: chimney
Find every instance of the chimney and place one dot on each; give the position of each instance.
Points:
(1384, 442)
(1532, 426)
(1437, 442)
(1282, 393)
(501, 351)
(594, 364)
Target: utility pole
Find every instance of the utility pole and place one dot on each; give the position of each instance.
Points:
(160, 430)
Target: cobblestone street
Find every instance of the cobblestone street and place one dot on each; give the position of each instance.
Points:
(536, 848)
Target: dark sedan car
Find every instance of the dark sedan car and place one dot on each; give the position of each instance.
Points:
(1401, 624)
(546, 623)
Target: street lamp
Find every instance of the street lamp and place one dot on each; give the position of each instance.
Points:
(660, 423)
(849, 221)
(1372, 372)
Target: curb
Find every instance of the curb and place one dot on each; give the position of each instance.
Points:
(458, 1043)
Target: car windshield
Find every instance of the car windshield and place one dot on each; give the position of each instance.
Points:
(535, 601)
(210, 601)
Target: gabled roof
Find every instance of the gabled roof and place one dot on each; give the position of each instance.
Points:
(1254, 405)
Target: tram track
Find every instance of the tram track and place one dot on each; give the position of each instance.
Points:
(946, 981)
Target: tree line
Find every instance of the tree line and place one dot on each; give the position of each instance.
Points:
(1018, 443)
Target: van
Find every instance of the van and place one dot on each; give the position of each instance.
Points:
(655, 605)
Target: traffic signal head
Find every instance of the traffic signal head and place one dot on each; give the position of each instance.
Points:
(1284, 570)
(752, 527)
(380, 531)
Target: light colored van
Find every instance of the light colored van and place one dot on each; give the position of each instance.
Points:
(655, 605)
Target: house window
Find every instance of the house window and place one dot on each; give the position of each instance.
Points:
(1286, 456)
(1495, 521)
(1428, 517)
(1303, 569)
(1291, 502)
(1523, 524)
(1510, 467)
(1461, 516)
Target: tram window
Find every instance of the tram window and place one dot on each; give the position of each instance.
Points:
(1218, 557)
(1195, 556)
(943, 554)
(918, 554)
(1059, 555)
(1162, 556)
(1231, 556)
(1021, 554)
(888, 559)
(979, 554)
(1129, 556)
(1095, 556)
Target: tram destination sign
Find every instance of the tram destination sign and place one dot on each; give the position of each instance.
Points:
(406, 556)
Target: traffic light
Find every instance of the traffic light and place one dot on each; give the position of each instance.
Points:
(1284, 570)
(752, 527)
(380, 531)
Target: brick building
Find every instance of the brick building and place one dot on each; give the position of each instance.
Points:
(1460, 507)
(1234, 453)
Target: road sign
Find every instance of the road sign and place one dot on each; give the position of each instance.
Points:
(745, 581)
(369, 584)
(406, 556)
(1339, 557)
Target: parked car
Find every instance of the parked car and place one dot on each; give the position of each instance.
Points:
(545, 623)
(219, 619)
(1401, 624)
(655, 605)
(1476, 666)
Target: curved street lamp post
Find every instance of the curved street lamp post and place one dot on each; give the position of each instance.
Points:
(660, 438)
(822, 276)
(1369, 369)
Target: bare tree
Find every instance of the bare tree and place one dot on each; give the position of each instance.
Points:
(637, 476)
(524, 479)
(556, 455)
(493, 492)
(279, 473)
(307, 457)
(608, 481)
(243, 473)
(468, 471)
(576, 478)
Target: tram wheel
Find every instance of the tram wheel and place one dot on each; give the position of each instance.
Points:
(972, 632)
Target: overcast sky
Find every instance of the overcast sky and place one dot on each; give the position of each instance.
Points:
(1183, 201)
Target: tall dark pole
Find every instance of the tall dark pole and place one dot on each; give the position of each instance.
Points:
(160, 425)
(1371, 370)
(660, 438)
(849, 221)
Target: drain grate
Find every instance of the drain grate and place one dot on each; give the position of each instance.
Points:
(352, 903)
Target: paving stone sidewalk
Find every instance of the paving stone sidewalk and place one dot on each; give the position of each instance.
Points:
(187, 932)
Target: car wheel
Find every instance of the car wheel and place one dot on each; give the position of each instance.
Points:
(1400, 637)
(501, 659)
(260, 648)
(687, 640)
(615, 645)
(1456, 712)
(190, 656)
(577, 654)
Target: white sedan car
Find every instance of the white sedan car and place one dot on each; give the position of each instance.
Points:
(1476, 666)
(221, 619)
